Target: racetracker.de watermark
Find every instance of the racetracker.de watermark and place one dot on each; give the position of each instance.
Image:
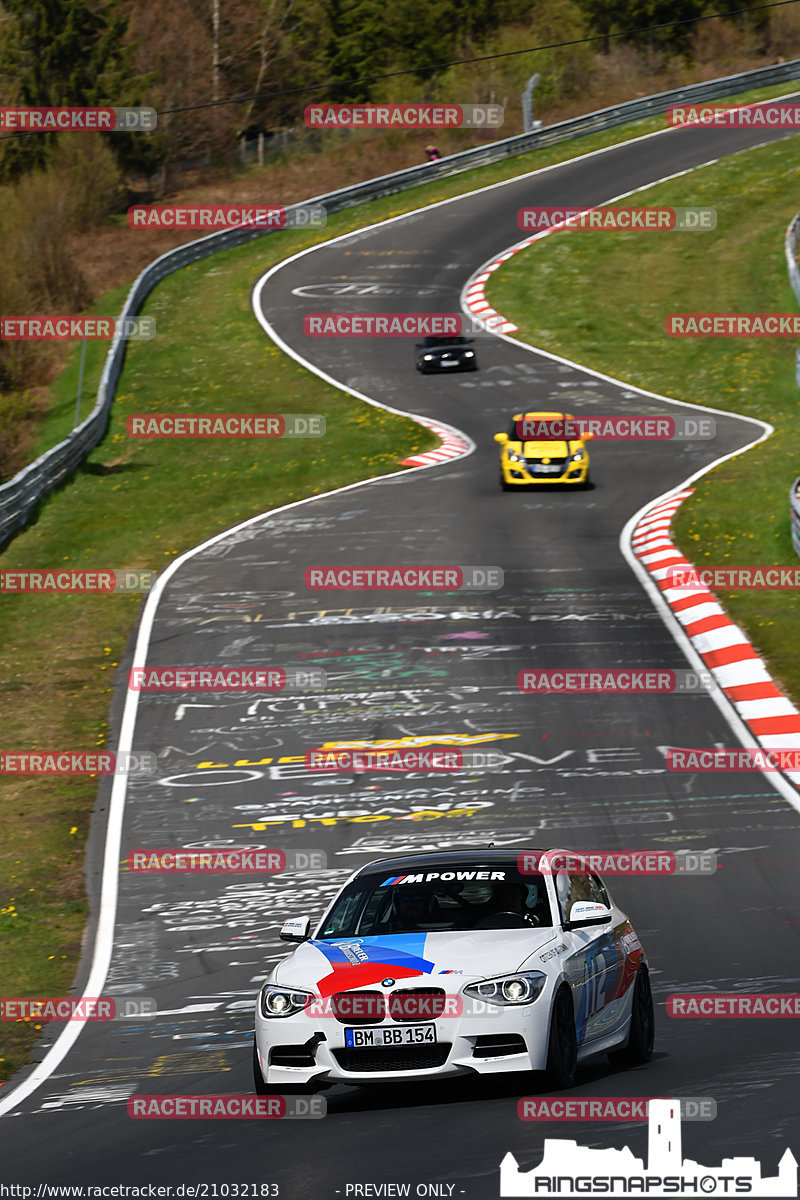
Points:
(397, 324)
(29, 119)
(712, 758)
(78, 762)
(745, 579)
(729, 1005)
(429, 758)
(609, 1108)
(412, 115)
(235, 861)
(743, 325)
(609, 218)
(616, 429)
(727, 116)
(57, 581)
(617, 862)
(71, 328)
(397, 1006)
(648, 680)
(75, 1008)
(403, 579)
(224, 425)
(226, 216)
(225, 679)
(226, 1108)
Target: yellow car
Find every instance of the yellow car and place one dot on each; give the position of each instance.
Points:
(544, 461)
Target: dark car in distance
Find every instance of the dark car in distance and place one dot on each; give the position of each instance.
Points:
(445, 354)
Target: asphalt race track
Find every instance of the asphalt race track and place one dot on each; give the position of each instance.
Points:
(586, 772)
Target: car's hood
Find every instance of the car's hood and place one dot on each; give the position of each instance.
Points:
(439, 350)
(541, 449)
(326, 967)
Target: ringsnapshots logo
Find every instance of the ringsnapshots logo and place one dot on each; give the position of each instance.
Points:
(412, 115)
(240, 860)
(570, 1170)
(227, 216)
(29, 119)
(609, 1108)
(533, 428)
(39, 328)
(592, 681)
(617, 862)
(226, 1108)
(225, 425)
(403, 579)
(56, 581)
(78, 762)
(612, 219)
(226, 679)
(732, 325)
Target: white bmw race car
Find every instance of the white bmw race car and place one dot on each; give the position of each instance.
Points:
(466, 961)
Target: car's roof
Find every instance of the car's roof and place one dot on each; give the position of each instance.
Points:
(543, 416)
(479, 854)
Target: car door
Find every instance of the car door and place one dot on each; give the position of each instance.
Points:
(594, 962)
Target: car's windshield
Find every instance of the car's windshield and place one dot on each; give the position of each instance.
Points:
(443, 341)
(439, 900)
(513, 433)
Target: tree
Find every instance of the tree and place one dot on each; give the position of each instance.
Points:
(65, 53)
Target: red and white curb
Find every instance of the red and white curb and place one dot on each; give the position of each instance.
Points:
(725, 649)
(473, 295)
(453, 445)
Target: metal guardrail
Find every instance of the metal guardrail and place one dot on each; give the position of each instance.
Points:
(791, 240)
(19, 497)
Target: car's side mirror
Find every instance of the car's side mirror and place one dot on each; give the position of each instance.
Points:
(295, 930)
(420, 346)
(501, 438)
(587, 437)
(585, 913)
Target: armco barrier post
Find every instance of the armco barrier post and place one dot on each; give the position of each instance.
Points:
(794, 514)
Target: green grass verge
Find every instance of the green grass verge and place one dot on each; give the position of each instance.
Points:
(140, 504)
(602, 299)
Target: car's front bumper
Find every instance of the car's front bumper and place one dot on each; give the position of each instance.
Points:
(435, 367)
(575, 473)
(488, 1043)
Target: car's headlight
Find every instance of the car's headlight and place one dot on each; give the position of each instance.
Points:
(521, 988)
(277, 1001)
(514, 457)
(469, 354)
(427, 357)
(577, 456)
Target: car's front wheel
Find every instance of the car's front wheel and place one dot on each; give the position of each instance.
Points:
(562, 1049)
(639, 1047)
(506, 487)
